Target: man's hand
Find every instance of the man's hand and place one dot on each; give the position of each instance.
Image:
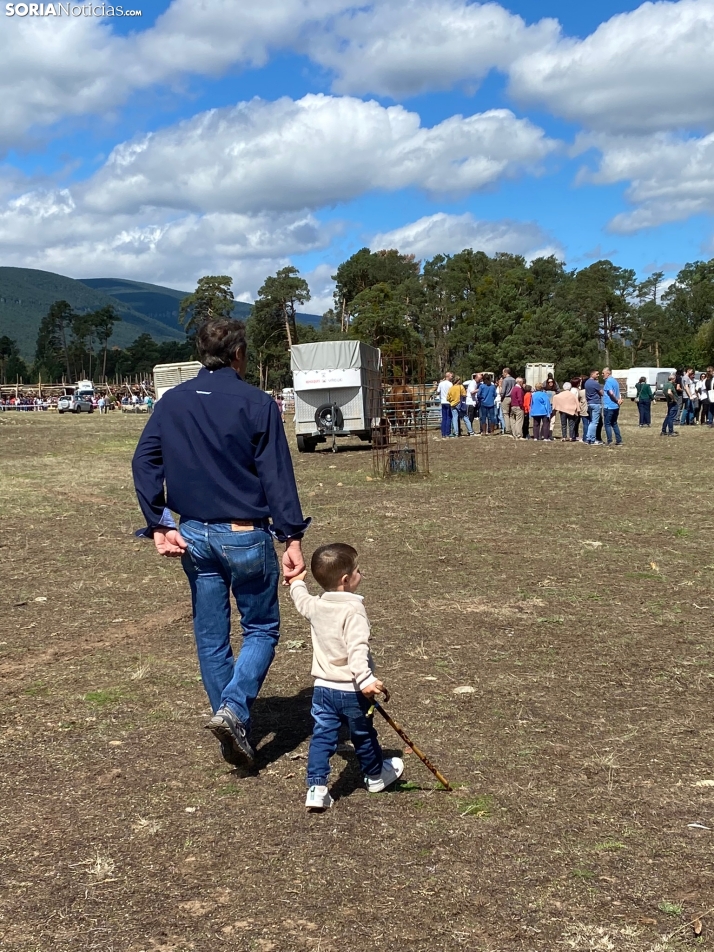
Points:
(293, 561)
(169, 542)
(373, 689)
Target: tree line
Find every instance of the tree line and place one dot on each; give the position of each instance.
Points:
(468, 311)
(471, 311)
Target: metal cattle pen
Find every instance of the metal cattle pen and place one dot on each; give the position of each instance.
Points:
(399, 438)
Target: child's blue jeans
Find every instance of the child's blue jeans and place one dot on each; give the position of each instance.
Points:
(331, 709)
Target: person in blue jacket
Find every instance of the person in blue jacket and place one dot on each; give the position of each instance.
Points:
(214, 451)
(486, 395)
(540, 414)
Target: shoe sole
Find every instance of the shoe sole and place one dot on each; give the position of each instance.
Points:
(225, 735)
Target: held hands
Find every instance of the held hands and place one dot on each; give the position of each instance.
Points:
(169, 542)
(299, 578)
(293, 561)
(373, 689)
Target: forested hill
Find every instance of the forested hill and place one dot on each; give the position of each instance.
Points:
(159, 303)
(26, 295)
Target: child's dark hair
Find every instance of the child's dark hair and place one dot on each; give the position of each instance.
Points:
(330, 562)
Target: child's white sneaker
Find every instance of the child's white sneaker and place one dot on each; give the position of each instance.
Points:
(318, 798)
(392, 769)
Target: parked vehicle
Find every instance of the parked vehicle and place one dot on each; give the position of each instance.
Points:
(656, 377)
(74, 402)
(538, 373)
(338, 391)
(167, 376)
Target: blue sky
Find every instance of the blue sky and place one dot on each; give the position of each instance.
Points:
(206, 137)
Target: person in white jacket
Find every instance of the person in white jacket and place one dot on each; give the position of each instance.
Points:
(343, 670)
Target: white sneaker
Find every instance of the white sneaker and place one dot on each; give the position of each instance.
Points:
(392, 769)
(318, 798)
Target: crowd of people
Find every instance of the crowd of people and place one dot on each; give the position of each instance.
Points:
(690, 400)
(103, 401)
(585, 407)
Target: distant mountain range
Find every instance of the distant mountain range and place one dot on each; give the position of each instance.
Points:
(26, 295)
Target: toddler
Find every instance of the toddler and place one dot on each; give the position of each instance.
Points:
(342, 668)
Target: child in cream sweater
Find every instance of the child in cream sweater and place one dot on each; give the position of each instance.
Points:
(342, 668)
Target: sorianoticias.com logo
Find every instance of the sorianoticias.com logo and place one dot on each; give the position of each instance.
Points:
(67, 10)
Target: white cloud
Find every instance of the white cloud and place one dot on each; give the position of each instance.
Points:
(232, 187)
(646, 70)
(449, 234)
(321, 289)
(51, 231)
(671, 176)
(54, 68)
(320, 150)
(402, 47)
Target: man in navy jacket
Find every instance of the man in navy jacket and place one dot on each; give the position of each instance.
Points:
(215, 451)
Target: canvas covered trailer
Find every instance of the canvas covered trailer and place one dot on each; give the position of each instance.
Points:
(338, 390)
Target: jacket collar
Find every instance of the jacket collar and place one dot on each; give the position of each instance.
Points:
(341, 596)
(225, 372)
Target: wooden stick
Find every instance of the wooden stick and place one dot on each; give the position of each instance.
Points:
(410, 743)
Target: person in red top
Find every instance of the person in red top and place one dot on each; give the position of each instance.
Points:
(527, 392)
(516, 410)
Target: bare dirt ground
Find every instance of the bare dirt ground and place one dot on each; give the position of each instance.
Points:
(569, 587)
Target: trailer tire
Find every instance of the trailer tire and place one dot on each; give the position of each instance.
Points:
(329, 417)
(305, 444)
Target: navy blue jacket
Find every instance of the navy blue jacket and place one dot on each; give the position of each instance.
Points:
(219, 445)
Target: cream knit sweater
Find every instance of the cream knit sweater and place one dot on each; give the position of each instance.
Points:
(340, 637)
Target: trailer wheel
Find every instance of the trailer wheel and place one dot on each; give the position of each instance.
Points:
(305, 444)
(329, 417)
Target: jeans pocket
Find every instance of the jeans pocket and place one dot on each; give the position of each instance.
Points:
(246, 562)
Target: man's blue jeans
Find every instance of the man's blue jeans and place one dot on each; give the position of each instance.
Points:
(611, 424)
(219, 561)
(331, 709)
(594, 417)
(670, 418)
(688, 417)
(446, 419)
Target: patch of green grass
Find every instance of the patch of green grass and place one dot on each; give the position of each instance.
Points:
(580, 872)
(104, 697)
(670, 908)
(610, 846)
(409, 785)
(228, 790)
(682, 533)
(37, 690)
(480, 807)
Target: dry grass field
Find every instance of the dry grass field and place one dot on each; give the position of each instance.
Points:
(570, 587)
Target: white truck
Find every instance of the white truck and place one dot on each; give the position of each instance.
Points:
(338, 391)
(167, 376)
(656, 377)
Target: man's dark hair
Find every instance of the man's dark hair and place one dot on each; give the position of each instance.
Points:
(217, 342)
(330, 562)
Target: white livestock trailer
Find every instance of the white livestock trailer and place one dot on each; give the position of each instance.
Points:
(167, 376)
(338, 391)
